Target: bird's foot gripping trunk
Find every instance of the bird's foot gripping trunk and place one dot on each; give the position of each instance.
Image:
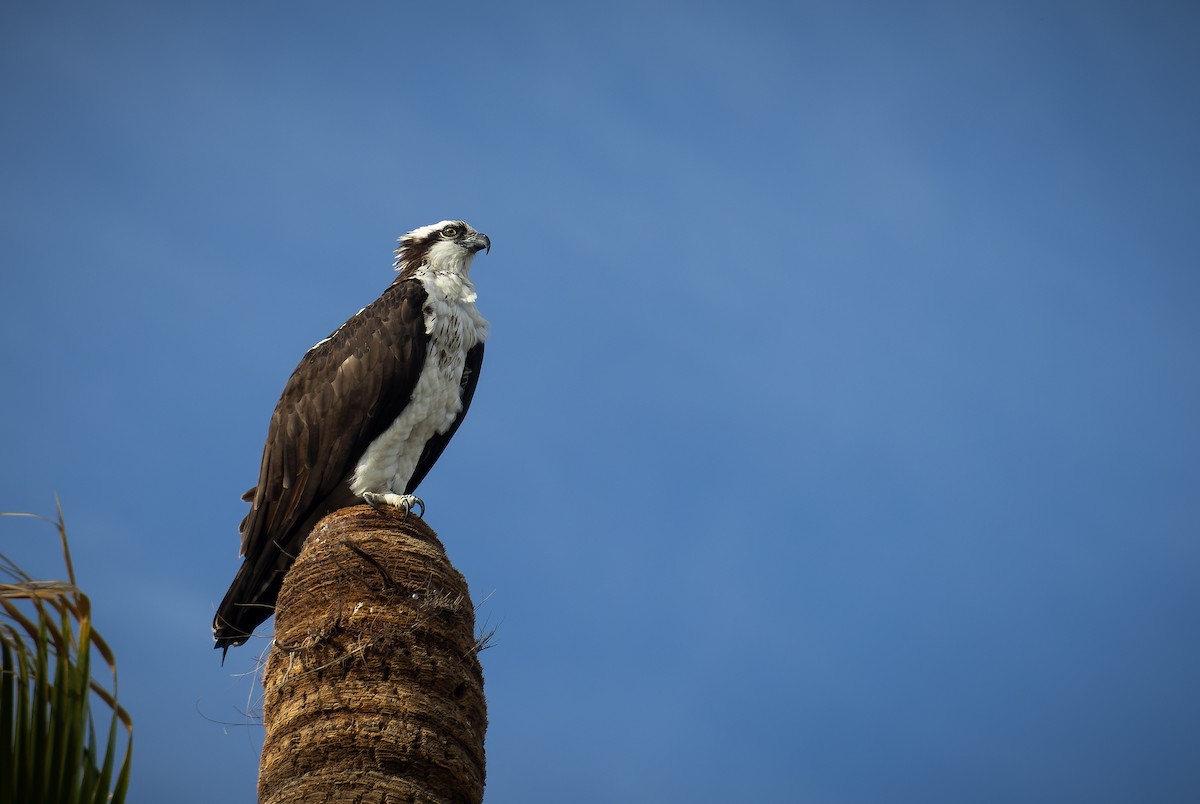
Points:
(404, 502)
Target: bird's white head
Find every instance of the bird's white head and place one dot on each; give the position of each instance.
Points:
(446, 247)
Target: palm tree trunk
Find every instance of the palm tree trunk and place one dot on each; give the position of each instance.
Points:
(373, 690)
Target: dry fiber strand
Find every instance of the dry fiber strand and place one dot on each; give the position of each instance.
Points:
(373, 689)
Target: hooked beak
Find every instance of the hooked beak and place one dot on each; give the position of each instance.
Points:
(479, 242)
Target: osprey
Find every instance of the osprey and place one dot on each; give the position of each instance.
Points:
(365, 415)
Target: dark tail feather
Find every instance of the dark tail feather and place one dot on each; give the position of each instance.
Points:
(251, 597)
(248, 603)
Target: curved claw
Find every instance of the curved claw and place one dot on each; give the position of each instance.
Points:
(405, 502)
(418, 501)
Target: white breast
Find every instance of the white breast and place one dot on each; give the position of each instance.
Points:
(454, 326)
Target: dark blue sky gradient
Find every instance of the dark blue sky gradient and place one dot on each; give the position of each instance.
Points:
(838, 437)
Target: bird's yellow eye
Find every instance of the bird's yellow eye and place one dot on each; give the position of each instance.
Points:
(450, 231)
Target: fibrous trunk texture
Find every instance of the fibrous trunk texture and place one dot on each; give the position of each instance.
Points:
(373, 690)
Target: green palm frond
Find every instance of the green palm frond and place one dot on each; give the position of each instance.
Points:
(50, 705)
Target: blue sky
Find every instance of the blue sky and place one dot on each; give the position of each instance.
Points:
(837, 439)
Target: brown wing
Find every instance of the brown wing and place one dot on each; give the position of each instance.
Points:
(346, 391)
